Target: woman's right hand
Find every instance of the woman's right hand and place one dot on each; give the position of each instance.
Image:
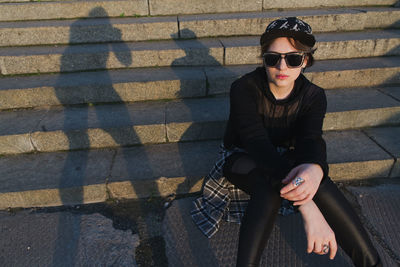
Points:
(318, 231)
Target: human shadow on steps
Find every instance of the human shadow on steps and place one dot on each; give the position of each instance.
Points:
(200, 123)
(115, 121)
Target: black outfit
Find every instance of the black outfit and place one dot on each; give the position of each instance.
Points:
(258, 123)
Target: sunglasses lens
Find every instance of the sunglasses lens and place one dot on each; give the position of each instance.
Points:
(294, 60)
(271, 59)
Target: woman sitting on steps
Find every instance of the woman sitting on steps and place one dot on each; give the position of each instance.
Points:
(273, 153)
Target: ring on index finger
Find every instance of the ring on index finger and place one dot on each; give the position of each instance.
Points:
(297, 181)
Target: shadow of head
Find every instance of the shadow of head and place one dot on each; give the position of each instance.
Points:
(98, 12)
(104, 33)
(187, 33)
(197, 52)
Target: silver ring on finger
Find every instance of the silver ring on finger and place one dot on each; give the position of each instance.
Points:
(325, 249)
(297, 181)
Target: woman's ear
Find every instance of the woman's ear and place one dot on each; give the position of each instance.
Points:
(305, 62)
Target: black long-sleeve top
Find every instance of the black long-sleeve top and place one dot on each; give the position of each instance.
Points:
(259, 123)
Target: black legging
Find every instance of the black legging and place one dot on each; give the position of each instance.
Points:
(265, 202)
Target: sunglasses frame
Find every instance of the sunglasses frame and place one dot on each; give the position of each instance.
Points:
(284, 55)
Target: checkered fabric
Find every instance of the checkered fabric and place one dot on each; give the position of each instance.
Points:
(222, 200)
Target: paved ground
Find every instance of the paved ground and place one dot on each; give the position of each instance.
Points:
(107, 234)
(152, 233)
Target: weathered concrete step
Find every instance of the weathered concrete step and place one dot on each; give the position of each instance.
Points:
(200, 119)
(72, 9)
(101, 30)
(63, 178)
(329, 74)
(389, 139)
(321, 20)
(16, 1)
(162, 7)
(115, 56)
(96, 30)
(102, 126)
(107, 8)
(172, 83)
(316, 3)
(242, 50)
(85, 127)
(373, 72)
(102, 86)
(372, 108)
(198, 52)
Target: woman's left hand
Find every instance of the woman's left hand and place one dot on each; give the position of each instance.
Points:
(302, 193)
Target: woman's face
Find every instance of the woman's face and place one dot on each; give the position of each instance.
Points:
(280, 76)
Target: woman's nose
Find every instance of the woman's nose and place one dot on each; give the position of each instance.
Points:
(281, 64)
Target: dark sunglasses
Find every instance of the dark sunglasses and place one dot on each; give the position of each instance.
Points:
(292, 59)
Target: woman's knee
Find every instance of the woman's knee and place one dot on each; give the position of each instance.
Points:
(239, 163)
(263, 185)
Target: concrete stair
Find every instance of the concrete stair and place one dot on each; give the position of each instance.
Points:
(111, 8)
(72, 9)
(127, 99)
(99, 30)
(87, 176)
(197, 52)
(178, 82)
(114, 125)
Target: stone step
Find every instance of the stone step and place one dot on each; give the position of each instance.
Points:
(321, 20)
(182, 82)
(72, 9)
(101, 30)
(94, 30)
(113, 8)
(24, 1)
(76, 177)
(199, 52)
(167, 7)
(102, 126)
(246, 50)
